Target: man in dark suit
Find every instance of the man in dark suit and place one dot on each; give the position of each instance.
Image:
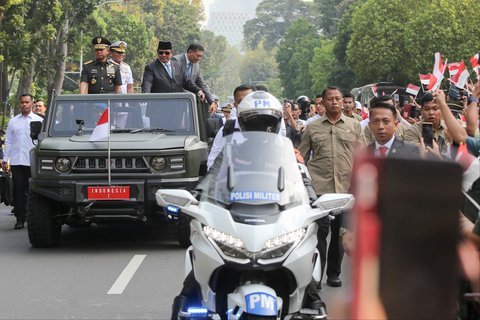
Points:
(383, 123)
(166, 75)
(189, 64)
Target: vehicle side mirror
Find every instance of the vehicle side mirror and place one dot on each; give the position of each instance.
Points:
(334, 202)
(35, 128)
(213, 125)
(174, 197)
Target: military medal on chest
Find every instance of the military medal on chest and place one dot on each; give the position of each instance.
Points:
(110, 70)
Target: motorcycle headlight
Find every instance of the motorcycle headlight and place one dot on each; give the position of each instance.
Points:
(230, 245)
(63, 164)
(158, 163)
(278, 246)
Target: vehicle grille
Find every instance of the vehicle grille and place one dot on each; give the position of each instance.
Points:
(99, 164)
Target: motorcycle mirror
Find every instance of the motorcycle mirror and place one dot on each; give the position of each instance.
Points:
(230, 179)
(281, 179)
(334, 201)
(175, 197)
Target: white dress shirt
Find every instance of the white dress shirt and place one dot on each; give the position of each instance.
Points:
(311, 119)
(17, 141)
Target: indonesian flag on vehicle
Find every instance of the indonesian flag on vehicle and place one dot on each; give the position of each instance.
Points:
(102, 130)
(424, 79)
(412, 89)
(437, 75)
(459, 79)
(471, 167)
(475, 65)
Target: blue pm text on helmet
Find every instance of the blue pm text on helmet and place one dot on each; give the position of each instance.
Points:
(260, 111)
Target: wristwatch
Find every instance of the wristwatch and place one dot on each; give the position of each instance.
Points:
(472, 99)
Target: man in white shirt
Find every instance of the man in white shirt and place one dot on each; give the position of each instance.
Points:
(117, 54)
(17, 151)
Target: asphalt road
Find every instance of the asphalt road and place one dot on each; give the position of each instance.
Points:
(101, 272)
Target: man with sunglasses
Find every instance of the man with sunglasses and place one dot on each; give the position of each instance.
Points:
(117, 54)
(101, 75)
(166, 75)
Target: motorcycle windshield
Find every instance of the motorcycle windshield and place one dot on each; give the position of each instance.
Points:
(254, 170)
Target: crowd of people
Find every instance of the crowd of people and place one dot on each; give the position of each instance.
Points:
(326, 131)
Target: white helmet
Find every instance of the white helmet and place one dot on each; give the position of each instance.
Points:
(260, 111)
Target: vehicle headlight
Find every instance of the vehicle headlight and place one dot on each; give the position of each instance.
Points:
(230, 245)
(278, 246)
(63, 164)
(158, 163)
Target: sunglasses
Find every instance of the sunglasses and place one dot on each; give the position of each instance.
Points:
(167, 53)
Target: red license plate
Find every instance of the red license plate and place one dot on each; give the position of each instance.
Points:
(109, 193)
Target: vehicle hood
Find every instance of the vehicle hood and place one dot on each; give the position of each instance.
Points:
(138, 141)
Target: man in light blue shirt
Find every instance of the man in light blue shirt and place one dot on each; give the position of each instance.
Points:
(17, 152)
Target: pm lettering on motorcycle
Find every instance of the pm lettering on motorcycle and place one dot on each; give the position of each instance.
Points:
(254, 195)
(261, 304)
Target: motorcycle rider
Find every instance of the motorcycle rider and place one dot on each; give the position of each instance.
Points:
(258, 111)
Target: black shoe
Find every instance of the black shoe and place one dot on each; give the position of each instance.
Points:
(19, 225)
(334, 281)
(320, 306)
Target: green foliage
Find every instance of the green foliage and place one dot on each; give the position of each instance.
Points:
(215, 56)
(322, 65)
(395, 40)
(293, 58)
(258, 67)
(273, 19)
(180, 23)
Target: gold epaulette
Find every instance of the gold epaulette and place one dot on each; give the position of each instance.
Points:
(88, 62)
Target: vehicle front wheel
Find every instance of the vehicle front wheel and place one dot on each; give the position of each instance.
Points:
(43, 230)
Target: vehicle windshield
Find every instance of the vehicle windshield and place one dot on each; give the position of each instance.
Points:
(254, 168)
(170, 116)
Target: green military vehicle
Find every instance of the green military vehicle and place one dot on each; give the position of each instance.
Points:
(155, 141)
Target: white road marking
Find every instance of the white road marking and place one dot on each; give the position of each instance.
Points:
(127, 274)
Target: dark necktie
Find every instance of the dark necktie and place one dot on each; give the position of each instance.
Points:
(189, 69)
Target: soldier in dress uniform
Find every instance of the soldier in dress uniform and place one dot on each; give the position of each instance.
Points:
(117, 53)
(101, 75)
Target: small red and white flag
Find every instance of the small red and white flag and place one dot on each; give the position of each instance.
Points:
(461, 75)
(471, 167)
(424, 79)
(453, 68)
(102, 130)
(412, 89)
(475, 65)
(364, 113)
(437, 75)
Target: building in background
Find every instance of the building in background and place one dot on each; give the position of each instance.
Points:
(227, 17)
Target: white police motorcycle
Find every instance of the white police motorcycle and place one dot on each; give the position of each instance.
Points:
(253, 232)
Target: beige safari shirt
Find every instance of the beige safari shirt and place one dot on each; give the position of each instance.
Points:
(414, 134)
(355, 116)
(328, 149)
